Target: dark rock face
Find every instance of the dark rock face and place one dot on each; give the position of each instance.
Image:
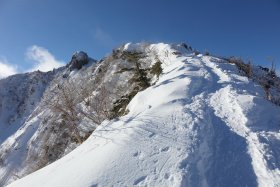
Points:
(79, 59)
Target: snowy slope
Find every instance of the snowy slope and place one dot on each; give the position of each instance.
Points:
(33, 134)
(19, 96)
(24, 120)
(201, 124)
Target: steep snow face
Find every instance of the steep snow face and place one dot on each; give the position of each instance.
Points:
(19, 96)
(200, 124)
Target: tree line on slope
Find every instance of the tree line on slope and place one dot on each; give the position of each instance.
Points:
(93, 100)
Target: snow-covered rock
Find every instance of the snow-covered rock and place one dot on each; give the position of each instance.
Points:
(79, 59)
(200, 124)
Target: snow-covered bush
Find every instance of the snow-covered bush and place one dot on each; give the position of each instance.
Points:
(156, 69)
(120, 105)
(139, 81)
(266, 77)
(247, 69)
(132, 56)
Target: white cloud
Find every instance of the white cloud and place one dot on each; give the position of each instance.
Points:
(44, 60)
(6, 69)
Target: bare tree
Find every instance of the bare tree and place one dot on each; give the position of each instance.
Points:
(74, 101)
(63, 100)
(273, 65)
(97, 105)
(249, 72)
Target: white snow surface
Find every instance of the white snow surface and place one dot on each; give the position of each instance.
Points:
(201, 124)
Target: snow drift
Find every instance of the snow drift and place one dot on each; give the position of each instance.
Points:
(200, 124)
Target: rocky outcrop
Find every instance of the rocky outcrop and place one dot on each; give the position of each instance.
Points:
(79, 59)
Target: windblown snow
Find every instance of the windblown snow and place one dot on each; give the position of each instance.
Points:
(200, 124)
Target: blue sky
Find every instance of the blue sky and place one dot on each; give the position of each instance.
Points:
(44, 34)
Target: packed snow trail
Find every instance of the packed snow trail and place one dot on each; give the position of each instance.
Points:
(201, 124)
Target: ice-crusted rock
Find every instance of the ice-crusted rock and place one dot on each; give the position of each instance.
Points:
(79, 59)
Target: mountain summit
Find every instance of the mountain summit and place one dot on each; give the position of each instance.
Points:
(146, 115)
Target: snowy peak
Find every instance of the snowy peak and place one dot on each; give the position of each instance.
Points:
(198, 123)
(79, 59)
(144, 47)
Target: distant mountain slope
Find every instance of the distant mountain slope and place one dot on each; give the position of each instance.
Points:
(199, 124)
(19, 95)
(24, 119)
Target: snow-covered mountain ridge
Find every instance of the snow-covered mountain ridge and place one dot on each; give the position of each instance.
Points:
(200, 123)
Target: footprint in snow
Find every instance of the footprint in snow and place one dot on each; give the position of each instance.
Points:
(139, 155)
(166, 175)
(164, 149)
(136, 154)
(152, 134)
(140, 179)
